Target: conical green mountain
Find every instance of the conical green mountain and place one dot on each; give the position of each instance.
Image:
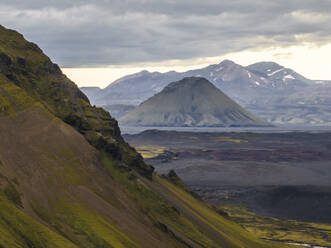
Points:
(192, 101)
(67, 178)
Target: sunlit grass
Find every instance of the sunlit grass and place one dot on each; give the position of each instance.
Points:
(228, 139)
(277, 229)
(150, 151)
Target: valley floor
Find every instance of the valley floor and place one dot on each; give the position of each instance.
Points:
(277, 184)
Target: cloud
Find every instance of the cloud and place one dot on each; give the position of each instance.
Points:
(103, 32)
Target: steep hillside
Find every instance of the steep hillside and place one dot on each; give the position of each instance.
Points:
(190, 102)
(25, 66)
(67, 178)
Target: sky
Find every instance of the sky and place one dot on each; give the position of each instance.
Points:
(96, 42)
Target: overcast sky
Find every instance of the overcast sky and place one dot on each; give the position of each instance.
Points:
(140, 33)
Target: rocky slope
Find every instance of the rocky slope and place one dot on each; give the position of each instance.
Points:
(68, 179)
(190, 102)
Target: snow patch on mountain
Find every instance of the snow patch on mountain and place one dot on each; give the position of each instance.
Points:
(274, 72)
(290, 77)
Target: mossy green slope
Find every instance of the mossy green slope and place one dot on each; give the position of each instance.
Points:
(67, 178)
(20, 230)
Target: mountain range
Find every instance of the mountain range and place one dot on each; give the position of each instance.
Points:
(68, 178)
(271, 91)
(190, 102)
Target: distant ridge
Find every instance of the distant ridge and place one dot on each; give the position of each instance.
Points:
(269, 90)
(192, 101)
(247, 85)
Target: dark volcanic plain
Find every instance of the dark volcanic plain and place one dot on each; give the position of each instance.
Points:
(284, 175)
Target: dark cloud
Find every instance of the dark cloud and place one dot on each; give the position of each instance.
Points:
(103, 32)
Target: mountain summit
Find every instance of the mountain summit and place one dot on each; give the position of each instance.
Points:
(192, 101)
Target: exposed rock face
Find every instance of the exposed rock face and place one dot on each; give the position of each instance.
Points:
(190, 102)
(5, 63)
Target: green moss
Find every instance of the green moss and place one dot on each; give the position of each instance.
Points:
(156, 208)
(167, 217)
(149, 152)
(13, 98)
(173, 178)
(232, 234)
(83, 226)
(276, 229)
(19, 230)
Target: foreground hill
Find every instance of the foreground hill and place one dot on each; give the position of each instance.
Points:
(68, 179)
(190, 102)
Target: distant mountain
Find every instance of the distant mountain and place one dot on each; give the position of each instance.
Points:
(253, 84)
(132, 89)
(319, 94)
(280, 76)
(91, 92)
(267, 89)
(307, 106)
(192, 101)
(119, 110)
